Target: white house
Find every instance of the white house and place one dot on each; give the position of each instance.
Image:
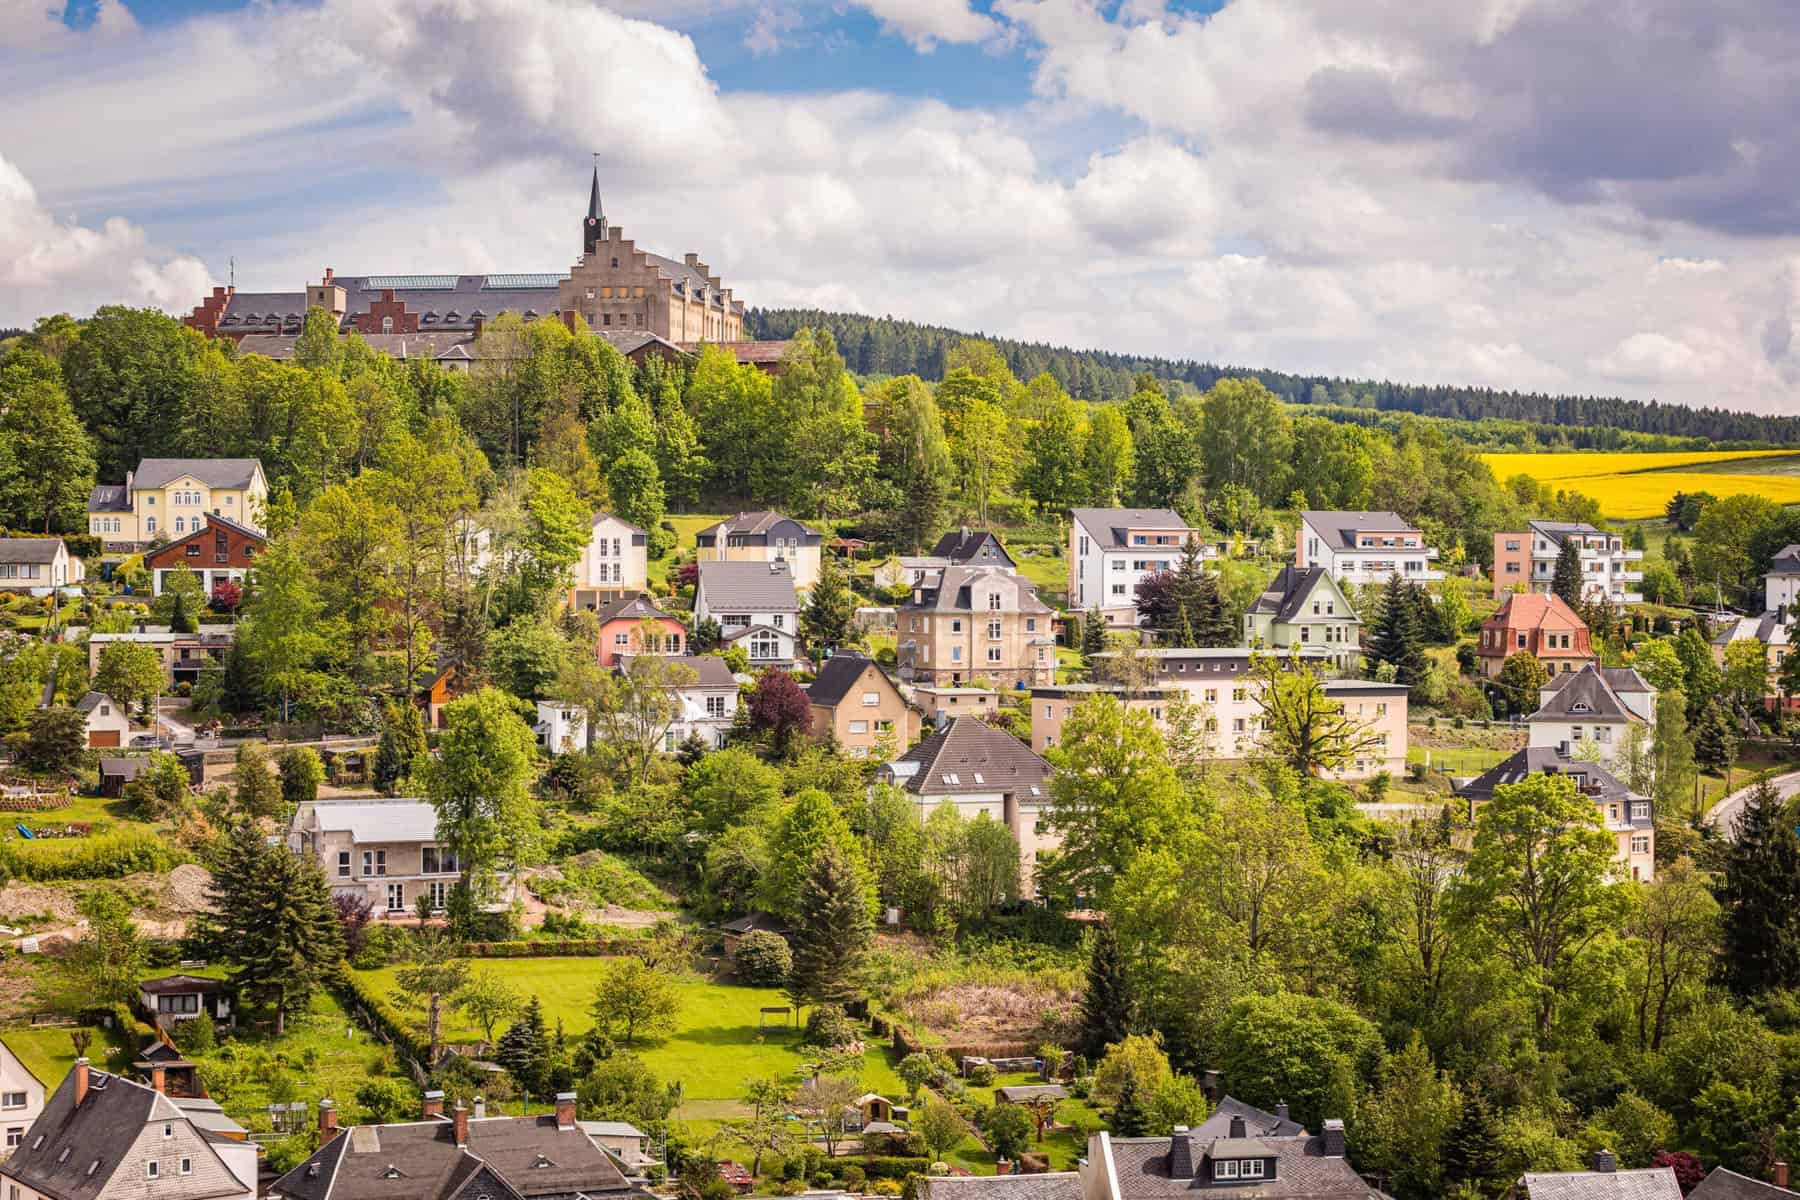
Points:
(27, 563)
(107, 724)
(1526, 561)
(1595, 705)
(1364, 547)
(621, 1139)
(756, 607)
(708, 703)
(1112, 549)
(614, 563)
(560, 727)
(1782, 584)
(21, 1099)
(383, 851)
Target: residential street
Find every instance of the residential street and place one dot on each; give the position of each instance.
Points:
(1724, 814)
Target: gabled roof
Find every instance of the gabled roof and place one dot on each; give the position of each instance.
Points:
(753, 524)
(1721, 1184)
(1769, 629)
(1593, 779)
(971, 756)
(1556, 531)
(600, 517)
(748, 587)
(839, 674)
(709, 670)
(1622, 680)
(420, 1160)
(1303, 1171)
(1584, 695)
(1258, 1122)
(752, 922)
(72, 1151)
(1108, 526)
(213, 472)
(30, 550)
(167, 984)
(1643, 1183)
(211, 519)
(965, 546)
(89, 702)
(1047, 1185)
(1340, 526)
(1787, 560)
(14, 1055)
(1017, 1093)
(638, 607)
(127, 769)
(1287, 594)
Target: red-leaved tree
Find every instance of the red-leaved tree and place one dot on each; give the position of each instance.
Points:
(780, 713)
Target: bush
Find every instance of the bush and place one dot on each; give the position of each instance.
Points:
(983, 1074)
(106, 856)
(893, 1167)
(384, 1101)
(763, 959)
(855, 1178)
(828, 1025)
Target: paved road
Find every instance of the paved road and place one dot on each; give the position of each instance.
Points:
(1724, 814)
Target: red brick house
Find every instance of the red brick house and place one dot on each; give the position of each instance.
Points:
(219, 550)
(1540, 624)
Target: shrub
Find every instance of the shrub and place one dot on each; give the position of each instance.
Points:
(384, 1101)
(982, 1074)
(828, 1025)
(855, 1178)
(106, 856)
(764, 960)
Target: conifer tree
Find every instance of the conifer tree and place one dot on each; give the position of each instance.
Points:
(524, 1048)
(1759, 891)
(1396, 639)
(829, 617)
(1472, 1147)
(1108, 1006)
(831, 931)
(1566, 582)
(1715, 746)
(275, 922)
(402, 744)
(1093, 634)
(1130, 1118)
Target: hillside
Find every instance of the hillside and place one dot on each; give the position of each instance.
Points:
(886, 346)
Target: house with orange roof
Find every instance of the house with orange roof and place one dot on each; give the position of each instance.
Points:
(1540, 624)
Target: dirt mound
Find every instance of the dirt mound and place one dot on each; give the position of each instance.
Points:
(19, 899)
(991, 1012)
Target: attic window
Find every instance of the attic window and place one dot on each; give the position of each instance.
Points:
(94, 1166)
(64, 1156)
(1580, 706)
(541, 1163)
(37, 1143)
(312, 1170)
(392, 1172)
(978, 778)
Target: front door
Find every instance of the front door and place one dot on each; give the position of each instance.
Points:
(396, 897)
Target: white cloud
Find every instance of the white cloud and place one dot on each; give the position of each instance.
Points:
(48, 264)
(925, 23)
(1653, 358)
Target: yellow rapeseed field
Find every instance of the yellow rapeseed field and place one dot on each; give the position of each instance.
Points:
(1639, 485)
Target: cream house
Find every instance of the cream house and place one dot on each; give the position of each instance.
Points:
(21, 1099)
(27, 563)
(969, 623)
(384, 851)
(171, 497)
(614, 563)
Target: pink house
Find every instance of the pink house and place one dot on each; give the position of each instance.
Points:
(634, 625)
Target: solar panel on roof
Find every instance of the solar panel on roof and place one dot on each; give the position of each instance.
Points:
(521, 281)
(412, 283)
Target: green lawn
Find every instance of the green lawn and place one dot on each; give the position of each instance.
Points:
(48, 1053)
(714, 1049)
(1043, 569)
(1060, 1144)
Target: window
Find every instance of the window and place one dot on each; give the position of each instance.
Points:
(871, 699)
(1030, 624)
(151, 1169)
(779, 621)
(189, 1003)
(956, 625)
(765, 646)
(859, 727)
(12, 1099)
(715, 706)
(993, 601)
(438, 890)
(150, 523)
(1118, 589)
(187, 1166)
(993, 631)
(1640, 843)
(14, 1135)
(993, 654)
(374, 862)
(343, 864)
(439, 861)
(1225, 1169)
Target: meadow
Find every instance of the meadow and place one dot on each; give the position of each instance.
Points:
(1640, 485)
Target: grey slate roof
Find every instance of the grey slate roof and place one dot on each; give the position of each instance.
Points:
(1556, 531)
(1302, 1172)
(1645, 1183)
(1344, 524)
(1537, 760)
(1721, 1184)
(757, 526)
(29, 550)
(1787, 560)
(971, 546)
(1584, 695)
(952, 590)
(109, 497)
(89, 702)
(420, 1160)
(127, 769)
(1108, 525)
(213, 472)
(1258, 1122)
(748, 587)
(710, 670)
(638, 607)
(838, 676)
(443, 301)
(1769, 629)
(1287, 594)
(179, 984)
(978, 757)
(1050, 1185)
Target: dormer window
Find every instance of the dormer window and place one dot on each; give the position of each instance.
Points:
(1238, 1168)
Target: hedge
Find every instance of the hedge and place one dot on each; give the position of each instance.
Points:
(888, 1166)
(381, 1013)
(568, 948)
(107, 856)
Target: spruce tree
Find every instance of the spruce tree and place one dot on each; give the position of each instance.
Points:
(1715, 746)
(829, 617)
(1759, 893)
(1093, 634)
(831, 931)
(524, 1049)
(1566, 582)
(275, 924)
(402, 744)
(1129, 1117)
(1396, 639)
(1107, 1006)
(1471, 1151)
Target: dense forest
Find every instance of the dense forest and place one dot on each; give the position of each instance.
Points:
(886, 346)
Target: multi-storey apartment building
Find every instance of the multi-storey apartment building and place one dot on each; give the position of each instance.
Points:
(614, 563)
(1305, 606)
(1526, 561)
(171, 497)
(1112, 549)
(1538, 624)
(1364, 547)
(382, 851)
(1628, 817)
(1219, 682)
(764, 537)
(966, 623)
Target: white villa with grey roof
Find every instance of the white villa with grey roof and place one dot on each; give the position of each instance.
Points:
(1111, 550)
(384, 851)
(1364, 547)
(756, 606)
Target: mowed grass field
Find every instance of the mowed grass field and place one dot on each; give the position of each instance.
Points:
(713, 1050)
(1640, 485)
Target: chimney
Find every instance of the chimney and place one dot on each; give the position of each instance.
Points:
(434, 1105)
(328, 274)
(481, 323)
(1181, 1154)
(159, 1078)
(1237, 1128)
(565, 1110)
(1781, 1174)
(81, 1081)
(1209, 1085)
(328, 1125)
(691, 259)
(1002, 1167)
(1334, 1137)
(1281, 1109)
(1604, 1162)
(480, 1108)
(461, 1117)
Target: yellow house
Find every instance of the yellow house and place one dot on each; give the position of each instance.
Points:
(167, 498)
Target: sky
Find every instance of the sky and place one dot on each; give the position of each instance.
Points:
(1587, 196)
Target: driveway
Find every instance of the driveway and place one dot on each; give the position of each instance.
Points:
(1724, 814)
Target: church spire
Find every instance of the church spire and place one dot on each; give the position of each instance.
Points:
(593, 229)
